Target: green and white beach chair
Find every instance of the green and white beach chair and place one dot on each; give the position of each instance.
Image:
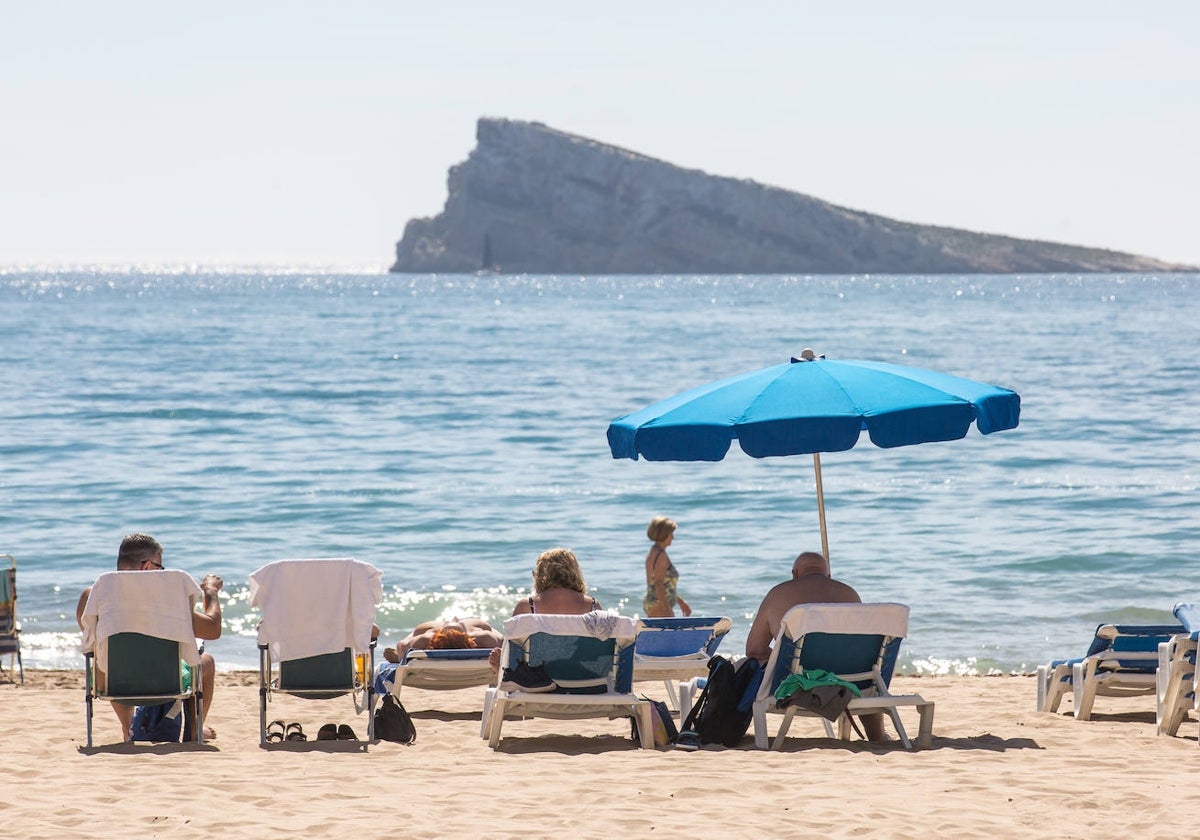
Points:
(138, 644)
(314, 639)
(590, 659)
(851, 641)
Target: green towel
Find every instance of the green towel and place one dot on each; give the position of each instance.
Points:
(811, 679)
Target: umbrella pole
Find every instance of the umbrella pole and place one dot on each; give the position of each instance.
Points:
(821, 504)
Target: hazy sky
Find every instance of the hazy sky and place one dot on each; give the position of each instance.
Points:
(303, 132)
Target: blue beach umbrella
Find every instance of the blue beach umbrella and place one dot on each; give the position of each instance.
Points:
(813, 405)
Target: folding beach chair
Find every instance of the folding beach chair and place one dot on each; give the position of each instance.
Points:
(314, 639)
(138, 645)
(675, 650)
(852, 641)
(1177, 686)
(1121, 661)
(589, 657)
(10, 628)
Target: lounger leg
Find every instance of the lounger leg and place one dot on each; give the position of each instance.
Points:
(1166, 689)
(645, 725)
(264, 676)
(1083, 683)
(1195, 699)
(198, 721)
(485, 719)
(87, 678)
(896, 722)
(925, 728)
(784, 725)
(1059, 682)
(370, 681)
(687, 694)
(1162, 686)
(496, 720)
(672, 695)
(760, 724)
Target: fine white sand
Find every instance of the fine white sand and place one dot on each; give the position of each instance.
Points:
(996, 768)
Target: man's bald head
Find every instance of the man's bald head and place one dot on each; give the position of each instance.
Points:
(810, 563)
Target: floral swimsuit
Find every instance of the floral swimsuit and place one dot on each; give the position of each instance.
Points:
(670, 582)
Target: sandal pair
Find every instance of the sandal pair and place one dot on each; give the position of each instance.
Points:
(278, 731)
(336, 732)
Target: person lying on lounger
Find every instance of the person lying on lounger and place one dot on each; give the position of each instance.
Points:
(456, 634)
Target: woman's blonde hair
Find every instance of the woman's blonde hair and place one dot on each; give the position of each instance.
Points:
(558, 567)
(660, 528)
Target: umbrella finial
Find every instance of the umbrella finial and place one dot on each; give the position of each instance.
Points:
(807, 355)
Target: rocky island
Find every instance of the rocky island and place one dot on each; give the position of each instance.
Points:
(531, 199)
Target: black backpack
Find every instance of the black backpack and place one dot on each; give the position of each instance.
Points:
(722, 713)
(392, 722)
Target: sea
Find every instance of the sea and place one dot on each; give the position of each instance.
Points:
(449, 428)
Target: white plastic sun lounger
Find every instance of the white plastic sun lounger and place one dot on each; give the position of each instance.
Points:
(1177, 685)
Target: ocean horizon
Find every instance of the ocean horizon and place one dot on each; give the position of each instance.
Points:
(448, 428)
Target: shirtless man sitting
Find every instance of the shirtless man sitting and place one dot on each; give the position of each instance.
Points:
(811, 583)
(456, 633)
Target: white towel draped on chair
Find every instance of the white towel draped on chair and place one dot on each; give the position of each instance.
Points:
(148, 602)
(304, 606)
(602, 624)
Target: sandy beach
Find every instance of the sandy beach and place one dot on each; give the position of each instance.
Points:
(996, 768)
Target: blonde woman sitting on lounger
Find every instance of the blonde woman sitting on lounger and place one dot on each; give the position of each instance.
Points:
(558, 589)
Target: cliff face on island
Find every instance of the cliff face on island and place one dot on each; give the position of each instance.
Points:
(530, 199)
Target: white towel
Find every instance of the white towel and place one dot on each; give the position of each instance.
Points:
(883, 618)
(313, 607)
(600, 624)
(158, 604)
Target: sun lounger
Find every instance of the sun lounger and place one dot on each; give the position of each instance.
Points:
(589, 657)
(849, 640)
(1177, 686)
(437, 670)
(676, 650)
(317, 617)
(1121, 661)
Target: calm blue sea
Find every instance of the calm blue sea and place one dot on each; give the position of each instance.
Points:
(449, 428)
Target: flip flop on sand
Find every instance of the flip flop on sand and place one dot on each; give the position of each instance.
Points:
(295, 732)
(345, 733)
(328, 732)
(276, 730)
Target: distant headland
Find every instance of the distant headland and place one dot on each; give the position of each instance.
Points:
(531, 199)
